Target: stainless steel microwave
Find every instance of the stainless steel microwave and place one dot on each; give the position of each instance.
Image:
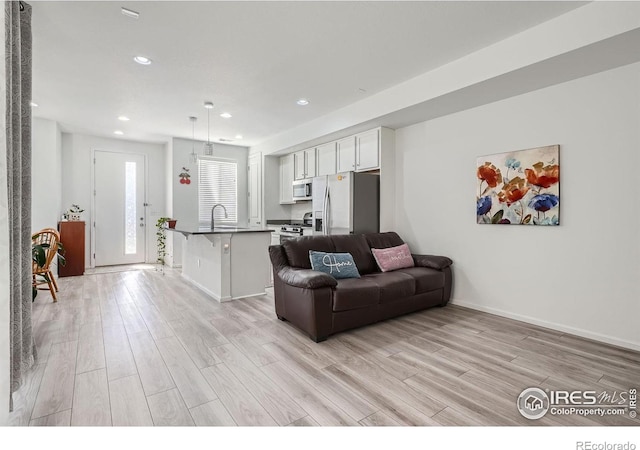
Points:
(302, 189)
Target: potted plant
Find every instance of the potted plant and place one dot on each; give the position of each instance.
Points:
(74, 213)
(161, 238)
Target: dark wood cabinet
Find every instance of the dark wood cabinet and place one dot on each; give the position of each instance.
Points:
(72, 237)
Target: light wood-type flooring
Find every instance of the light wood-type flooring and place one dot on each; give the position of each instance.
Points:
(142, 348)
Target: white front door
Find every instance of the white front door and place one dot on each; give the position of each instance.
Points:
(119, 216)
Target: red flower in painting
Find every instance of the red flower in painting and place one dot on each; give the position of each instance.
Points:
(490, 173)
(543, 176)
(513, 191)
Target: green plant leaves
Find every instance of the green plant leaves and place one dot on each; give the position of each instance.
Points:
(38, 254)
(497, 216)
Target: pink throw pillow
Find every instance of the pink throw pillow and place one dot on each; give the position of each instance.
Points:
(393, 258)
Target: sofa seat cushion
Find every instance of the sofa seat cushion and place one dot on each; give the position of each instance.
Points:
(426, 279)
(393, 285)
(355, 293)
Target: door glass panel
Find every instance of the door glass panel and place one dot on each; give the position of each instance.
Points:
(130, 208)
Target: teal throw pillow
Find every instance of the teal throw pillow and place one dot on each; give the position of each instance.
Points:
(338, 265)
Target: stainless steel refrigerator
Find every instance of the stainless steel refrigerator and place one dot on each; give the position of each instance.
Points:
(346, 203)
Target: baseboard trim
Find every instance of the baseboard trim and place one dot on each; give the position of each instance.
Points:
(205, 290)
(552, 325)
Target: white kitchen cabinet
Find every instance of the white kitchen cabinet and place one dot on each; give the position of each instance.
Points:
(360, 152)
(275, 240)
(304, 163)
(326, 155)
(368, 150)
(286, 179)
(346, 154)
(255, 189)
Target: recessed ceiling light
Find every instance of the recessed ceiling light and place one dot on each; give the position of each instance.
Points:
(142, 60)
(123, 118)
(208, 105)
(238, 136)
(130, 13)
(303, 102)
(226, 115)
(118, 132)
(34, 104)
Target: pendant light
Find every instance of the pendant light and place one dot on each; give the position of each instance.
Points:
(208, 146)
(193, 157)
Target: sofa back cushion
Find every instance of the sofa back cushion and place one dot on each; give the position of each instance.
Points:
(383, 240)
(357, 245)
(297, 250)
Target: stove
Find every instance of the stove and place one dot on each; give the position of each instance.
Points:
(295, 230)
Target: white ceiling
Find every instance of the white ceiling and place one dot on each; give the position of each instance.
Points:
(252, 59)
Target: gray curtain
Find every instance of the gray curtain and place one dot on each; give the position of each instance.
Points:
(18, 70)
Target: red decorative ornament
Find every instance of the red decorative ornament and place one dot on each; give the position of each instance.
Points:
(184, 176)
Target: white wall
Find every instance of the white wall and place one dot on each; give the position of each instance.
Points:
(299, 209)
(77, 167)
(185, 196)
(580, 277)
(46, 172)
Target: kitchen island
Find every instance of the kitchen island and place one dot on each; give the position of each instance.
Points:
(227, 263)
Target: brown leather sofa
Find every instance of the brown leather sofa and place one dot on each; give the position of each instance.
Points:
(320, 305)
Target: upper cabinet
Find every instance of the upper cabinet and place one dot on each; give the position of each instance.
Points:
(346, 154)
(326, 155)
(360, 152)
(305, 164)
(368, 150)
(286, 179)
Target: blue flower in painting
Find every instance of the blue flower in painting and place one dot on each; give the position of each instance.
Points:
(547, 221)
(544, 202)
(512, 163)
(483, 206)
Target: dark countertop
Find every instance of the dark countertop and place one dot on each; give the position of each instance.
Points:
(196, 229)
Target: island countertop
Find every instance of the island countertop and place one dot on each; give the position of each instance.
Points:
(224, 229)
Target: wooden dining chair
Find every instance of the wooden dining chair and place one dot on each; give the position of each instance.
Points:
(50, 237)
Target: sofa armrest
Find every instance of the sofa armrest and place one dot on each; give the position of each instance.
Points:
(432, 261)
(306, 278)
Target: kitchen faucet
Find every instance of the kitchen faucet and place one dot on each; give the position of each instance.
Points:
(214, 207)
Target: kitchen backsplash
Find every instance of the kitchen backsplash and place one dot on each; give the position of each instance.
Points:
(299, 209)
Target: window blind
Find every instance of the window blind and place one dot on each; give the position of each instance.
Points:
(217, 184)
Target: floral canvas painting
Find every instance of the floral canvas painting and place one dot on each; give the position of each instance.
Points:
(519, 188)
